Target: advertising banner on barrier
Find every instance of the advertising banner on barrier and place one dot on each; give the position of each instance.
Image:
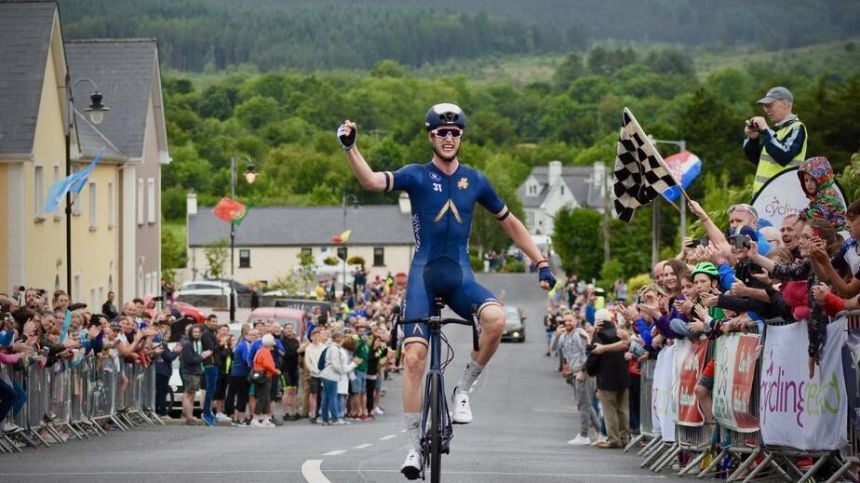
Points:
(689, 362)
(662, 401)
(850, 364)
(798, 411)
(734, 371)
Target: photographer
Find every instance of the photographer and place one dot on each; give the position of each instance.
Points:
(777, 148)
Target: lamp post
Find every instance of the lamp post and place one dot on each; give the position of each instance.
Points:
(250, 177)
(348, 197)
(682, 146)
(96, 111)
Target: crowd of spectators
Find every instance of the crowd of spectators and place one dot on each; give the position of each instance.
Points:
(265, 375)
(736, 278)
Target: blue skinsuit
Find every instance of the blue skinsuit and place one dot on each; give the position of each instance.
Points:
(442, 208)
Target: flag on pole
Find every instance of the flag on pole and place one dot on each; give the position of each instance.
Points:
(342, 237)
(640, 173)
(74, 182)
(230, 210)
(685, 167)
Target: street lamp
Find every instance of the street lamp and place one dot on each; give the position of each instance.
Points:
(96, 112)
(682, 146)
(348, 197)
(250, 177)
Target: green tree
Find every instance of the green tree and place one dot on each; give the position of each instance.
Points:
(172, 255)
(307, 270)
(577, 242)
(216, 254)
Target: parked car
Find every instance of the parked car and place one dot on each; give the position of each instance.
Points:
(211, 287)
(190, 311)
(515, 324)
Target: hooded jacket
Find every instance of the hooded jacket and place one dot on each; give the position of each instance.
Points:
(825, 202)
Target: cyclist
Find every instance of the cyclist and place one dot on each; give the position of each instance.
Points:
(443, 194)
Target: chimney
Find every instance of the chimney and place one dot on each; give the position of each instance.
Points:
(599, 178)
(554, 172)
(191, 204)
(405, 205)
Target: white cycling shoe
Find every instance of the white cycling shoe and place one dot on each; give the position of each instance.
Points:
(462, 413)
(411, 467)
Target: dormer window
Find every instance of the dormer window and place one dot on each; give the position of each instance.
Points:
(533, 189)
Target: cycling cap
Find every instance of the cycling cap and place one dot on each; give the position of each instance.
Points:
(707, 268)
(445, 114)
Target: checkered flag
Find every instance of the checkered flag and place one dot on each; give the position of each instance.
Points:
(640, 173)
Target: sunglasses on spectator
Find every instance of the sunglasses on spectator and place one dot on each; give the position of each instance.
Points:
(744, 207)
(445, 131)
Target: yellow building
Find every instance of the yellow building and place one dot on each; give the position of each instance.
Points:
(112, 249)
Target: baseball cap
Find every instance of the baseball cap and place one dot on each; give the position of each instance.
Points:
(775, 94)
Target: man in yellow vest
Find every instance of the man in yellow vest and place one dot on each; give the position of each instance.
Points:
(780, 147)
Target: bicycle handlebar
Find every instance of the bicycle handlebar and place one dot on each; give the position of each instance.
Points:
(392, 340)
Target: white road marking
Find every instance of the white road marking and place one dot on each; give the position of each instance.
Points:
(362, 446)
(335, 452)
(390, 436)
(312, 472)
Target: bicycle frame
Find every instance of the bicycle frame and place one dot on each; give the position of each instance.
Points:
(435, 406)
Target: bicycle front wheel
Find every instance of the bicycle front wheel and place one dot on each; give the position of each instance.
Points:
(436, 408)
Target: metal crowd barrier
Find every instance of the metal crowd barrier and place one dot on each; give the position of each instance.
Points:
(76, 399)
(751, 455)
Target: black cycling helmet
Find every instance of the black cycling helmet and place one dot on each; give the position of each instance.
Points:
(445, 114)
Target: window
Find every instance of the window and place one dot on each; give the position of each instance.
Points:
(378, 256)
(150, 201)
(92, 195)
(562, 189)
(307, 251)
(530, 218)
(56, 173)
(40, 192)
(244, 258)
(532, 189)
(110, 214)
(140, 204)
(93, 298)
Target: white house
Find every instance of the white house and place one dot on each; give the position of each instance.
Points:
(269, 239)
(548, 189)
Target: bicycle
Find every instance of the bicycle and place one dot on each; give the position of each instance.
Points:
(435, 439)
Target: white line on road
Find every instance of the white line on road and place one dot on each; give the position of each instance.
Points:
(390, 436)
(362, 446)
(335, 452)
(312, 472)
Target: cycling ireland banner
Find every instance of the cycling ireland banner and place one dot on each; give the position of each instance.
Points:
(796, 410)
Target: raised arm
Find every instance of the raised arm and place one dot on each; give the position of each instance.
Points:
(370, 180)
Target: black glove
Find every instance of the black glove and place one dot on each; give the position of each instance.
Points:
(545, 275)
(346, 140)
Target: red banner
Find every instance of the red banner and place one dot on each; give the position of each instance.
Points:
(733, 381)
(690, 361)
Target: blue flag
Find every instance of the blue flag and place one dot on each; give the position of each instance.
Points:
(56, 193)
(81, 176)
(74, 183)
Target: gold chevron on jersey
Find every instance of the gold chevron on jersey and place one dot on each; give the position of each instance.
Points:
(449, 205)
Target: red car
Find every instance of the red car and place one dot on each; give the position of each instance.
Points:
(190, 311)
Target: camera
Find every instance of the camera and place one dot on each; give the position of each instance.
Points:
(700, 242)
(751, 125)
(739, 241)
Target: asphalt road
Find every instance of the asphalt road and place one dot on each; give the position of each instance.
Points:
(524, 414)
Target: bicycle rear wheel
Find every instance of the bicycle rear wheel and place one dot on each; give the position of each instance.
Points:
(436, 406)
